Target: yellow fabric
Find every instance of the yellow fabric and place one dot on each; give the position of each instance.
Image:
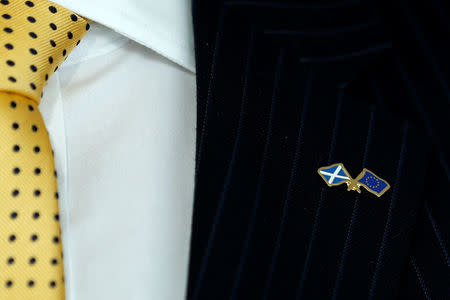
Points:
(39, 31)
(35, 37)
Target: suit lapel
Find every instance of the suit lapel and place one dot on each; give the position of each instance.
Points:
(282, 91)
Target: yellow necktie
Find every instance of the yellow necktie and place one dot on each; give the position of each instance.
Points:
(35, 37)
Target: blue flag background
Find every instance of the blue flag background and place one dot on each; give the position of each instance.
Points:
(373, 183)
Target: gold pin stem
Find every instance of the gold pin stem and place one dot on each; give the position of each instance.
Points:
(353, 185)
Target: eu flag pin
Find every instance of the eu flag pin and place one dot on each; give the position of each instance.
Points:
(336, 174)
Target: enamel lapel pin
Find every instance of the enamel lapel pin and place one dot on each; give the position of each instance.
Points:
(337, 174)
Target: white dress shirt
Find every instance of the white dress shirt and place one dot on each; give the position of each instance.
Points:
(121, 116)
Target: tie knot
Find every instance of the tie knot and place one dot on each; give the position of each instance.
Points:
(36, 36)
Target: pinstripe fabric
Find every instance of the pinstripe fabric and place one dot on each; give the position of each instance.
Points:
(286, 87)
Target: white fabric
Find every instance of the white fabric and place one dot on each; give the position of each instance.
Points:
(122, 123)
(162, 25)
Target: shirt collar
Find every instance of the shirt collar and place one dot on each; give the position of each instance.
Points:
(163, 26)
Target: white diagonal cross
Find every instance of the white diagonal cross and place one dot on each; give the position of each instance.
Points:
(333, 175)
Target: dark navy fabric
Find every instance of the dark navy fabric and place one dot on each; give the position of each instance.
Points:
(286, 87)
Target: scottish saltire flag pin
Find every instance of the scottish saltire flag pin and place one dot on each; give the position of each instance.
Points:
(337, 174)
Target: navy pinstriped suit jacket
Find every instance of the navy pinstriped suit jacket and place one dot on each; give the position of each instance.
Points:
(286, 87)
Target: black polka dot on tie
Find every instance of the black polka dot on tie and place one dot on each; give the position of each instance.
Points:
(9, 283)
(4, 2)
(88, 26)
(32, 183)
